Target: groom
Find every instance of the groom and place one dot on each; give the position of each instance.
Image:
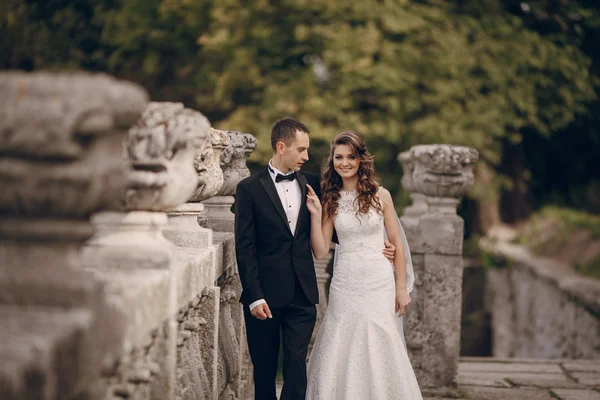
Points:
(274, 256)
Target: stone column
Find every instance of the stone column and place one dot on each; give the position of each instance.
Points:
(131, 254)
(233, 163)
(323, 278)
(234, 381)
(442, 173)
(60, 161)
(198, 295)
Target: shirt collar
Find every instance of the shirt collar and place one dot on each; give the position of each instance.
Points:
(274, 171)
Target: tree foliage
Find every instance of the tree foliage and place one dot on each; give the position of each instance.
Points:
(399, 72)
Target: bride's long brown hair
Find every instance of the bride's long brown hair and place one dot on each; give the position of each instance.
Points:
(367, 187)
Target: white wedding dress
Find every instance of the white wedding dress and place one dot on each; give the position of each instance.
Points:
(360, 353)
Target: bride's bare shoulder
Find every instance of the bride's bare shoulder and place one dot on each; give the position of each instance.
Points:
(385, 196)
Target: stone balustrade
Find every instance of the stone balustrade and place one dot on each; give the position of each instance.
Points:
(540, 308)
(110, 287)
(61, 138)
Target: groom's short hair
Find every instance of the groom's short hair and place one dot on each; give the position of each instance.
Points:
(284, 131)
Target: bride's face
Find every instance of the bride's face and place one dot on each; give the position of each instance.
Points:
(345, 161)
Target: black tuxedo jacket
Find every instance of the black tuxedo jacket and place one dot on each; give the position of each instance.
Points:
(270, 257)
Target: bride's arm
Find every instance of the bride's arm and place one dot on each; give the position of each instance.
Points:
(394, 236)
(321, 226)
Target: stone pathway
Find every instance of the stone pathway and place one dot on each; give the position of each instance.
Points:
(516, 379)
(508, 379)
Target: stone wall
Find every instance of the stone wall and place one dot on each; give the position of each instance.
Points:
(541, 308)
(110, 287)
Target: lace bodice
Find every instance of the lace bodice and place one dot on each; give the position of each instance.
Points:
(358, 232)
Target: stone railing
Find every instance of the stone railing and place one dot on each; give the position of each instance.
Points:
(436, 176)
(541, 308)
(110, 286)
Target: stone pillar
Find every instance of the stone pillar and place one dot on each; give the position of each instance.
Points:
(233, 163)
(442, 173)
(323, 279)
(233, 379)
(60, 160)
(198, 348)
(139, 265)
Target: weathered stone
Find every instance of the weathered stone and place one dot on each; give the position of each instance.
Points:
(218, 215)
(129, 240)
(480, 393)
(161, 148)
(541, 307)
(483, 380)
(60, 161)
(183, 229)
(418, 206)
(576, 394)
(226, 262)
(500, 295)
(442, 173)
(193, 270)
(207, 163)
(323, 277)
(582, 366)
(233, 160)
(438, 234)
(509, 367)
(443, 170)
(587, 378)
(60, 146)
(124, 390)
(36, 345)
(106, 325)
(197, 354)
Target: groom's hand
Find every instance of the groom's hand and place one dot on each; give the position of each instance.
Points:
(261, 312)
(389, 250)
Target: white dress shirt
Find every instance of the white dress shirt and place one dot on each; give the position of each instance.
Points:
(291, 199)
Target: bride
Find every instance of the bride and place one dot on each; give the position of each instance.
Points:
(360, 353)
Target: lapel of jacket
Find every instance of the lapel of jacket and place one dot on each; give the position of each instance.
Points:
(302, 182)
(267, 182)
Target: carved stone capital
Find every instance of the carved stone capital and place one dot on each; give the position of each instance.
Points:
(408, 166)
(418, 206)
(233, 160)
(60, 142)
(208, 165)
(442, 170)
(161, 148)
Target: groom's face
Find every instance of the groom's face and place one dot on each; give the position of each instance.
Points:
(295, 155)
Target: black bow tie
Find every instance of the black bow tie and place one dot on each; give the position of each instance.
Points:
(288, 177)
(279, 177)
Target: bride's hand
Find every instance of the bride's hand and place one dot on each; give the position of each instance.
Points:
(312, 202)
(402, 301)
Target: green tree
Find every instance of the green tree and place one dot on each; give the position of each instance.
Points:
(399, 72)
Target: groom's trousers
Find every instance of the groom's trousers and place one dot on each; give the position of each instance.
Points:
(294, 324)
